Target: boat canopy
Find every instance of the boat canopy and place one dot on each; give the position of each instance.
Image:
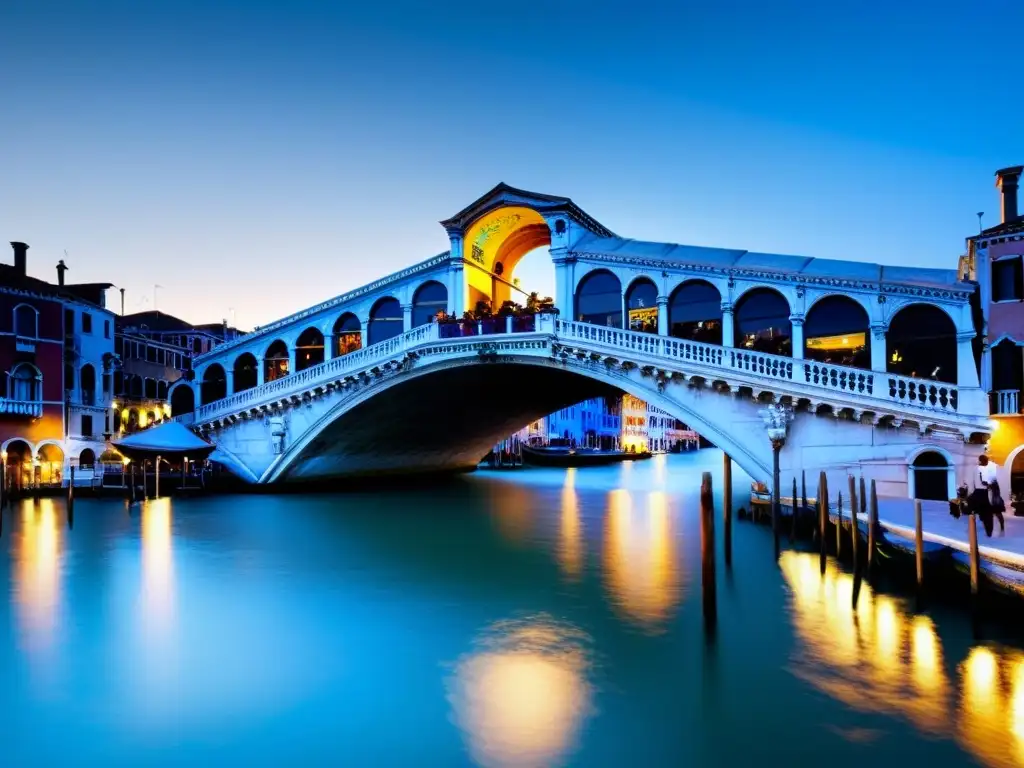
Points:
(169, 441)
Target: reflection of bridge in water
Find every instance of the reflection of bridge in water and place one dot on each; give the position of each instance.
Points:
(835, 352)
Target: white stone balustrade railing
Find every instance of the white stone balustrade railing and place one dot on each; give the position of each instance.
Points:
(864, 386)
(32, 408)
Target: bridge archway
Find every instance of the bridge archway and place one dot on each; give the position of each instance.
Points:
(837, 331)
(348, 334)
(494, 244)
(642, 305)
(309, 349)
(761, 322)
(385, 320)
(430, 299)
(183, 400)
(695, 312)
(404, 423)
(921, 343)
(598, 299)
(246, 372)
(214, 386)
(275, 361)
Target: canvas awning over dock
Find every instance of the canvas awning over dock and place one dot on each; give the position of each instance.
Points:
(171, 441)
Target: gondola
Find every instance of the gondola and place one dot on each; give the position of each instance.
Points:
(576, 457)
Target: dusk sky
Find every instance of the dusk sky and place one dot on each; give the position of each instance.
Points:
(262, 157)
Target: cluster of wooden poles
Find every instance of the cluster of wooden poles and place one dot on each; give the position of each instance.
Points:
(859, 501)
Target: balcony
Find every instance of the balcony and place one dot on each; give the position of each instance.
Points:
(24, 344)
(1005, 402)
(31, 408)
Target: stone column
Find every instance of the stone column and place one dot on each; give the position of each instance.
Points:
(291, 358)
(663, 328)
(365, 333)
(966, 370)
(625, 312)
(456, 277)
(261, 372)
(229, 382)
(728, 334)
(407, 317)
(797, 323)
(878, 351)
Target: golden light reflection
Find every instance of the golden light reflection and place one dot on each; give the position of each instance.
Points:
(522, 696)
(570, 533)
(38, 555)
(640, 559)
(157, 565)
(880, 658)
(511, 505)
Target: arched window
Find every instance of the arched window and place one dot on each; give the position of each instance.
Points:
(430, 299)
(921, 343)
(197, 345)
(275, 362)
(149, 386)
(87, 380)
(929, 477)
(136, 386)
(348, 334)
(695, 312)
(51, 464)
(761, 321)
(26, 383)
(309, 349)
(1007, 377)
(385, 320)
(87, 458)
(837, 331)
(214, 386)
(161, 390)
(26, 321)
(183, 400)
(642, 306)
(599, 299)
(245, 372)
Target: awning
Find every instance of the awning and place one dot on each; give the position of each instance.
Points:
(169, 441)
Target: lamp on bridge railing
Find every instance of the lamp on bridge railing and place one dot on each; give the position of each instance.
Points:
(777, 417)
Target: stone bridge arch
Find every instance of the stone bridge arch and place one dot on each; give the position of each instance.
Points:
(408, 406)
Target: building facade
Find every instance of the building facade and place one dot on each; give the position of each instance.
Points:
(994, 259)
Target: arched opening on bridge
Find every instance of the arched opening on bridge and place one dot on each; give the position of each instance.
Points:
(534, 277)
(214, 386)
(348, 334)
(183, 400)
(51, 464)
(762, 322)
(929, 477)
(275, 362)
(87, 381)
(837, 332)
(599, 299)
(246, 372)
(430, 300)
(493, 246)
(642, 305)
(921, 343)
(309, 349)
(695, 312)
(385, 320)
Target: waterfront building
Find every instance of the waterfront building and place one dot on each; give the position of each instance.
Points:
(57, 352)
(994, 258)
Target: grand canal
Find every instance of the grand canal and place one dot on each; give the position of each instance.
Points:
(542, 617)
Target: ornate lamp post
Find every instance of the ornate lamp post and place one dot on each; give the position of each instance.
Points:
(776, 420)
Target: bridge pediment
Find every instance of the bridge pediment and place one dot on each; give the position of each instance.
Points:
(504, 196)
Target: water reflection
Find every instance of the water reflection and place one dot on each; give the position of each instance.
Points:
(37, 579)
(157, 566)
(570, 532)
(881, 658)
(521, 697)
(640, 559)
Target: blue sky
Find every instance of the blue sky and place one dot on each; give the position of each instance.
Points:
(257, 158)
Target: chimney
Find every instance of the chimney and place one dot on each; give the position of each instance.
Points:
(61, 269)
(20, 258)
(1006, 180)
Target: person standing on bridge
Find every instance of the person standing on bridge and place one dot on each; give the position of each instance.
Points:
(987, 471)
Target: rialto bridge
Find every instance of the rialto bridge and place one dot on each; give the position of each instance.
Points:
(865, 368)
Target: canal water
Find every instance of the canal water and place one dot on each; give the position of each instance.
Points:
(530, 618)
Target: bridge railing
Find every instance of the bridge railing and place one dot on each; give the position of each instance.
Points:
(893, 388)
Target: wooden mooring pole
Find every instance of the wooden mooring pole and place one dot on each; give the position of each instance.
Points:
(972, 538)
(854, 524)
(792, 527)
(872, 527)
(839, 527)
(71, 498)
(822, 517)
(707, 553)
(727, 507)
(919, 544)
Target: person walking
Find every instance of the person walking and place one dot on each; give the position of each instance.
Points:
(987, 471)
